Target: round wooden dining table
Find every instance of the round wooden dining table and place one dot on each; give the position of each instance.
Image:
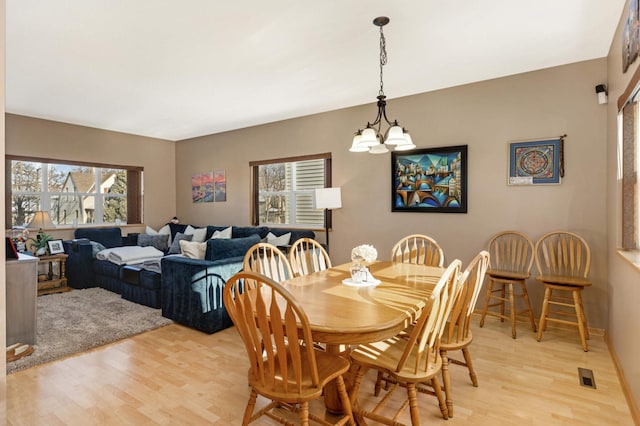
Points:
(342, 314)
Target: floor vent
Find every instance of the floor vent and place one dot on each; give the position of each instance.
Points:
(586, 378)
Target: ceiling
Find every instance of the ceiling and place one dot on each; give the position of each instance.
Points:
(176, 70)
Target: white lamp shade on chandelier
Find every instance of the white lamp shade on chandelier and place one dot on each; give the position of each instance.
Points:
(371, 139)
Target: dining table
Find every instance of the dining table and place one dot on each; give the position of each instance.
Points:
(342, 313)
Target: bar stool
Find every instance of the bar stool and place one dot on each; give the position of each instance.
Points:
(511, 254)
(563, 260)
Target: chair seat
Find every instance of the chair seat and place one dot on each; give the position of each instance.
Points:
(329, 367)
(385, 355)
(454, 345)
(564, 280)
(498, 274)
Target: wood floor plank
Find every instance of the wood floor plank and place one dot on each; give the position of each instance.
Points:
(178, 376)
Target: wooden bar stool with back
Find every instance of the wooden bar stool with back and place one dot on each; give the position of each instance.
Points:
(563, 260)
(511, 254)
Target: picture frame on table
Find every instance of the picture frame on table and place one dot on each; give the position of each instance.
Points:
(431, 180)
(55, 247)
(536, 162)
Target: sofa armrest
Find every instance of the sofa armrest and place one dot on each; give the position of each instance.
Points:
(79, 265)
(192, 291)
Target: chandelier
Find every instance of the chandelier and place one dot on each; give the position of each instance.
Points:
(371, 139)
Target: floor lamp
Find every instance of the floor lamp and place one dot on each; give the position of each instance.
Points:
(327, 199)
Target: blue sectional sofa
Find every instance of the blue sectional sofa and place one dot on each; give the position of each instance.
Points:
(189, 291)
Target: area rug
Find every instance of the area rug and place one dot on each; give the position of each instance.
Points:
(79, 320)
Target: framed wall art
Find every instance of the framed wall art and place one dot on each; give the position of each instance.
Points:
(220, 186)
(536, 162)
(432, 180)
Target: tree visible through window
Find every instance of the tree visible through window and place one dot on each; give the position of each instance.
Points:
(74, 194)
(284, 188)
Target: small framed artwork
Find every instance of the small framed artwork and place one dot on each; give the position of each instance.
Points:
(432, 180)
(55, 246)
(536, 162)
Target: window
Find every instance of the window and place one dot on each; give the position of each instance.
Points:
(282, 190)
(73, 193)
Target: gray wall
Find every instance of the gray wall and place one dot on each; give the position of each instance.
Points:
(485, 116)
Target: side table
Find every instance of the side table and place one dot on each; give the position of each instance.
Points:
(53, 280)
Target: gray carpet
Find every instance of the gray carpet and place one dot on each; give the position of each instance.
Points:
(72, 322)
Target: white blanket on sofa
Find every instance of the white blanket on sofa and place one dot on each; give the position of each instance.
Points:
(129, 255)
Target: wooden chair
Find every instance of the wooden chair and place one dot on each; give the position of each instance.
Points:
(418, 249)
(511, 255)
(563, 260)
(306, 255)
(457, 334)
(410, 360)
(289, 373)
(268, 260)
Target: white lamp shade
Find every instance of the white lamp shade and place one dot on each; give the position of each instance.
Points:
(369, 138)
(40, 220)
(327, 198)
(395, 136)
(407, 144)
(378, 149)
(356, 146)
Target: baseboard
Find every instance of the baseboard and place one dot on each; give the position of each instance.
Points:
(635, 414)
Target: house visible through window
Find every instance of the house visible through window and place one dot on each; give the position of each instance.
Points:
(73, 194)
(282, 190)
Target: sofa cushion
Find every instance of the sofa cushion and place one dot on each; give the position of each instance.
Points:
(108, 237)
(221, 248)
(175, 245)
(159, 241)
(106, 268)
(245, 231)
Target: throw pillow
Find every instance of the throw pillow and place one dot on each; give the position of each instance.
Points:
(193, 250)
(282, 240)
(95, 248)
(165, 230)
(199, 234)
(175, 246)
(159, 241)
(222, 234)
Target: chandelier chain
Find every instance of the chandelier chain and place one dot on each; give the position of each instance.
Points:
(383, 59)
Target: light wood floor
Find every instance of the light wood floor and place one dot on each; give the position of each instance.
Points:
(178, 376)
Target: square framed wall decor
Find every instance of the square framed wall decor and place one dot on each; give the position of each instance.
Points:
(536, 162)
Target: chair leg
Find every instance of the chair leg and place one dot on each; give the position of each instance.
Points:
(584, 317)
(250, 406)
(304, 413)
(487, 299)
(446, 378)
(472, 371)
(543, 315)
(525, 296)
(577, 301)
(413, 403)
(512, 310)
(356, 387)
(378, 385)
(344, 397)
(435, 384)
(503, 294)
